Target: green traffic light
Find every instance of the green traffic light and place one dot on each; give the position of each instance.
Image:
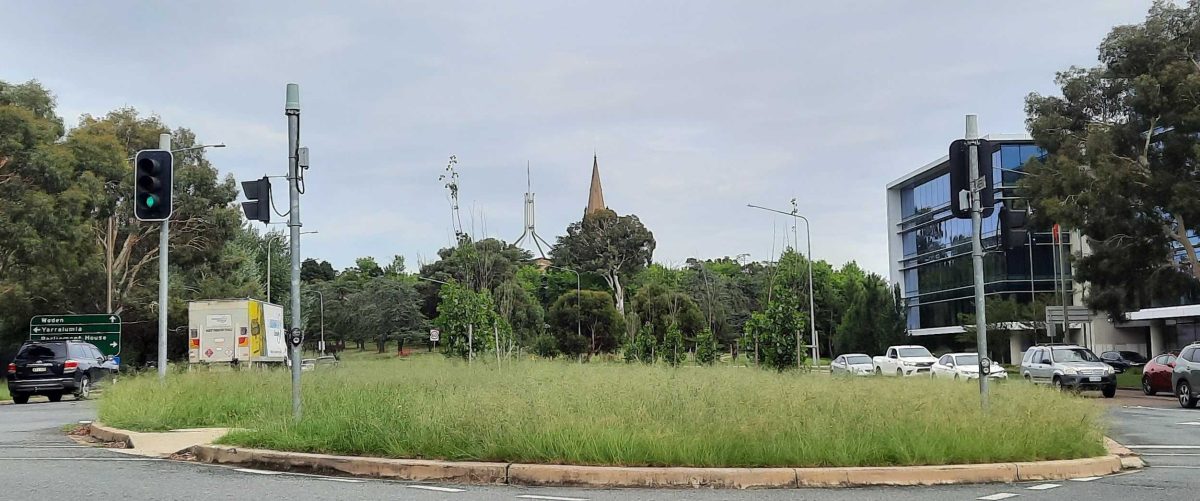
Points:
(150, 201)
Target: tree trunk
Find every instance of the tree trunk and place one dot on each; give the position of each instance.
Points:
(618, 293)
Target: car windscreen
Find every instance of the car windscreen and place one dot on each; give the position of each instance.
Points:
(914, 352)
(861, 359)
(40, 351)
(1074, 355)
(1133, 356)
(967, 360)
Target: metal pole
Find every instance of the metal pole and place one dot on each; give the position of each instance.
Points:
(268, 242)
(322, 296)
(164, 237)
(812, 309)
(1062, 266)
(292, 110)
(977, 255)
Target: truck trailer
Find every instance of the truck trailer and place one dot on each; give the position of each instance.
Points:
(236, 331)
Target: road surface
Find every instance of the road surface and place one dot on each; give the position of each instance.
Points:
(36, 459)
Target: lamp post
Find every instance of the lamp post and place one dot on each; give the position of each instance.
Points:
(578, 305)
(321, 296)
(811, 303)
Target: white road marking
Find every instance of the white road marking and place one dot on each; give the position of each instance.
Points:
(81, 459)
(346, 480)
(1190, 423)
(1085, 479)
(550, 498)
(1163, 446)
(1043, 487)
(260, 472)
(44, 447)
(998, 496)
(436, 488)
(1166, 454)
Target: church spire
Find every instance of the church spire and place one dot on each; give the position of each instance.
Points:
(596, 193)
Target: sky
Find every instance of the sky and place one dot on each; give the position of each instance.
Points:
(694, 108)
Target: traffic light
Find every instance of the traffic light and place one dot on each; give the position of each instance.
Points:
(152, 185)
(960, 177)
(1014, 226)
(258, 199)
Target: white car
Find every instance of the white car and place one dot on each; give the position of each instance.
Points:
(904, 360)
(963, 366)
(851, 364)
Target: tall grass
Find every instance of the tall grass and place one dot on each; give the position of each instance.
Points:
(551, 412)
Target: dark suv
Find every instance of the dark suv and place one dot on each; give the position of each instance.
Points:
(54, 368)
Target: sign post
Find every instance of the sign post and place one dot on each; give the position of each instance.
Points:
(101, 330)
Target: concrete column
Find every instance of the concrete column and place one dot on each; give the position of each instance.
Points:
(1158, 342)
(1016, 339)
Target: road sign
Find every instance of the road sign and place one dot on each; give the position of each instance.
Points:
(978, 184)
(434, 335)
(103, 331)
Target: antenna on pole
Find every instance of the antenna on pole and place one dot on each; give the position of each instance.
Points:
(530, 231)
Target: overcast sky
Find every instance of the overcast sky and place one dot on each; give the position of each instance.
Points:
(695, 108)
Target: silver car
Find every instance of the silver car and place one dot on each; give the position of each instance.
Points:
(1068, 366)
(852, 364)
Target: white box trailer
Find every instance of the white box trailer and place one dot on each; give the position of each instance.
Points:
(246, 330)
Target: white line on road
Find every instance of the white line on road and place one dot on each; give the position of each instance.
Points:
(436, 488)
(998, 496)
(1190, 423)
(550, 498)
(1161, 454)
(1043, 487)
(44, 447)
(81, 459)
(1085, 479)
(260, 472)
(1163, 446)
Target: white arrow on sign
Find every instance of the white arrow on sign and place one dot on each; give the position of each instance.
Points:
(114, 344)
(37, 329)
(112, 319)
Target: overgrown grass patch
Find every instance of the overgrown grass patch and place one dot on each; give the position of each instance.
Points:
(616, 414)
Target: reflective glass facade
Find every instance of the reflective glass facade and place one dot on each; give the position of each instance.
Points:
(935, 263)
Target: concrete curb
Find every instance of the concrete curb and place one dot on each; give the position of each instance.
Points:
(615, 476)
(106, 434)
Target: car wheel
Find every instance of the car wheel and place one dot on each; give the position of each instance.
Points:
(20, 398)
(55, 397)
(1184, 392)
(956, 376)
(1058, 384)
(1109, 391)
(899, 372)
(1147, 388)
(878, 371)
(85, 389)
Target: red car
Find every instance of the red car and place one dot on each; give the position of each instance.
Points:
(1156, 376)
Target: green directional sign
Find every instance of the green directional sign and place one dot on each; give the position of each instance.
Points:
(103, 331)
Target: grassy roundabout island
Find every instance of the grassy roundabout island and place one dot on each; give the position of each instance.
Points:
(616, 414)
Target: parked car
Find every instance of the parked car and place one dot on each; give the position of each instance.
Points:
(1069, 366)
(1123, 360)
(963, 366)
(904, 360)
(55, 368)
(851, 364)
(1186, 375)
(1156, 375)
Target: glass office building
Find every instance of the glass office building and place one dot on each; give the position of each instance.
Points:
(930, 250)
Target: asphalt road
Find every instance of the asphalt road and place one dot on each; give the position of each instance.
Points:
(36, 459)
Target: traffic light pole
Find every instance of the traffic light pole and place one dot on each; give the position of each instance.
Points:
(977, 257)
(164, 236)
(292, 110)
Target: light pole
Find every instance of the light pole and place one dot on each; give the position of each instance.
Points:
(811, 303)
(321, 296)
(164, 237)
(266, 243)
(578, 305)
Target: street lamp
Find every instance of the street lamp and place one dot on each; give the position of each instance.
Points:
(578, 305)
(812, 319)
(266, 243)
(192, 148)
(321, 295)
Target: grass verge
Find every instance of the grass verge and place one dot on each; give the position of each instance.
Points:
(1131, 378)
(615, 414)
